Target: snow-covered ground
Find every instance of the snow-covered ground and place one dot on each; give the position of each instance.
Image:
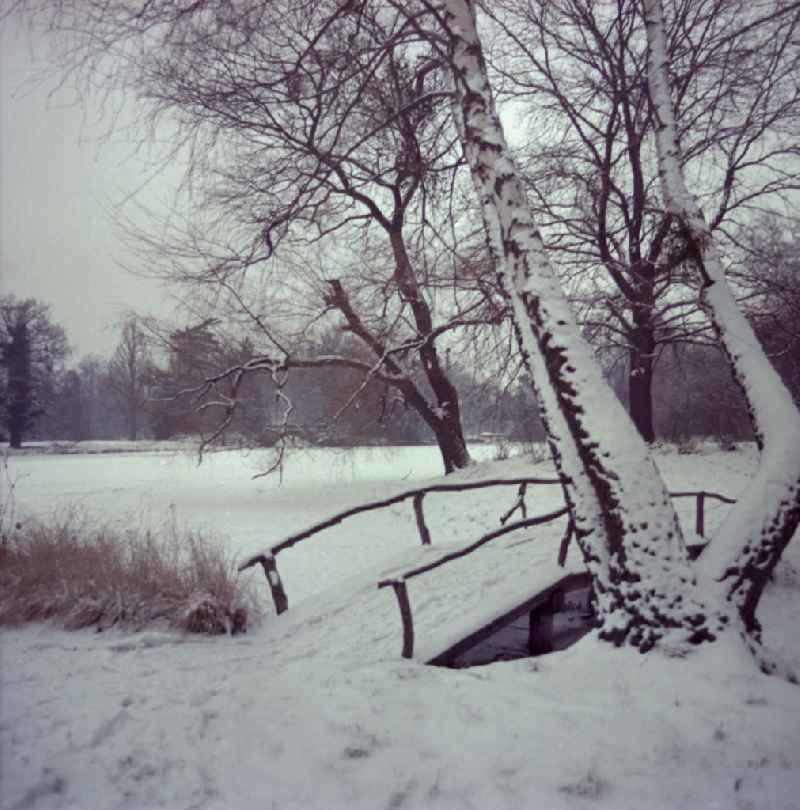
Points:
(316, 709)
(222, 496)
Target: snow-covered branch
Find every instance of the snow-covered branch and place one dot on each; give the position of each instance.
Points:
(752, 538)
(625, 523)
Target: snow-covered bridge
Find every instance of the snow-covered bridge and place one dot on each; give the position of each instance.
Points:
(514, 597)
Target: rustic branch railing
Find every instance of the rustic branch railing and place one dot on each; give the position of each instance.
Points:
(268, 562)
(417, 495)
(700, 509)
(398, 584)
(267, 558)
(493, 535)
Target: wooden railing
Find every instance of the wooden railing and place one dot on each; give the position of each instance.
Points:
(267, 557)
(398, 584)
(700, 508)
(401, 590)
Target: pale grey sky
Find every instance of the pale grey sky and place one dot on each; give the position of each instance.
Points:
(58, 183)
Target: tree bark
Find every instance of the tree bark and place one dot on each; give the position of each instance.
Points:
(640, 374)
(752, 538)
(443, 419)
(449, 433)
(624, 519)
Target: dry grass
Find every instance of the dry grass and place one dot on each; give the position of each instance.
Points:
(84, 575)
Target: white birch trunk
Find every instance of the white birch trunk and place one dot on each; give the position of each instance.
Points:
(628, 528)
(751, 539)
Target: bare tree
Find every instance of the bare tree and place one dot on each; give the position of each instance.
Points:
(130, 375)
(30, 347)
(304, 123)
(579, 69)
(758, 529)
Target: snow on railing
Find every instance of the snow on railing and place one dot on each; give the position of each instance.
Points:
(398, 584)
(266, 558)
(700, 513)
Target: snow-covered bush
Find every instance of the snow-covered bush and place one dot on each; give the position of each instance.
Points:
(84, 575)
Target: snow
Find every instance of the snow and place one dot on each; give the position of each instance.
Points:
(316, 708)
(220, 496)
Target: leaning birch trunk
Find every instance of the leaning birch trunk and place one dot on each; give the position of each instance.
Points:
(750, 541)
(624, 517)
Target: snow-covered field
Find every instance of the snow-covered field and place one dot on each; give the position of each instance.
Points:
(222, 496)
(316, 709)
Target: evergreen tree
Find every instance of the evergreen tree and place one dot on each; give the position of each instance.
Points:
(30, 348)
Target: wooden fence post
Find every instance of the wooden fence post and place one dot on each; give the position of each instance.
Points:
(401, 592)
(274, 581)
(424, 534)
(518, 504)
(564, 547)
(267, 561)
(700, 517)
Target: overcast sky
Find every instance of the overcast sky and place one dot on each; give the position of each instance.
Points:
(61, 182)
(57, 239)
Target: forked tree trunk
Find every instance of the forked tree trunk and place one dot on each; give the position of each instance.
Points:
(626, 525)
(443, 419)
(750, 541)
(446, 424)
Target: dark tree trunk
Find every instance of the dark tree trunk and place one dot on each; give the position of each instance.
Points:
(640, 397)
(448, 430)
(15, 437)
(640, 374)
(445, 427)
(133, 425)
(444, 420)
(452, 446)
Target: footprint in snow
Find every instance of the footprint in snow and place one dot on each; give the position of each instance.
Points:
(108, 728)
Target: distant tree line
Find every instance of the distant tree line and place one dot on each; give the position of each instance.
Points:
(153, 385)
(150, 388)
